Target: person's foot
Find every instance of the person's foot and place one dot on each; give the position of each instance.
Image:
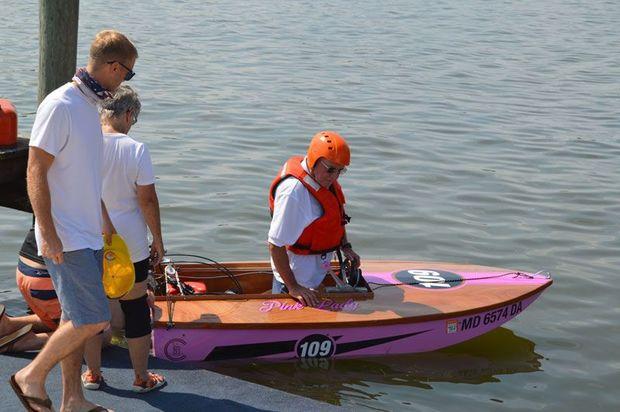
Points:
(92, 380)
(83, 405)
(11, 342)
(153, 381)
(31, 392)
(5, 327)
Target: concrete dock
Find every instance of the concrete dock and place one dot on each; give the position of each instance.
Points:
(189, 388)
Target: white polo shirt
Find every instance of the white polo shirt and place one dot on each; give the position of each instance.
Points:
(127, 164)
(295, 209)
(67, 127)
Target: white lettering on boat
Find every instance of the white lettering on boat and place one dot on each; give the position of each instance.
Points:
(315, 346)
(327, 304)
(429, 278)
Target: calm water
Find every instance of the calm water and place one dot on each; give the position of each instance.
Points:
(482, 132)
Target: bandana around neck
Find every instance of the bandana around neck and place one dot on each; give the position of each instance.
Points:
(92, 84)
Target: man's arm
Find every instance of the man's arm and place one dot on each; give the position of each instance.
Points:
(348, 251)
(280, 259)
(39, 163)
(287, 224)
(149, 205)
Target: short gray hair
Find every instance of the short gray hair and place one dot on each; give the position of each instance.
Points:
(125, 98)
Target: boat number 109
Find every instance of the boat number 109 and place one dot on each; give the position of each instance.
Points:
(315, 346)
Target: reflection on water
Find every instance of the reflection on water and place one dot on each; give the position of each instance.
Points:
(484, 359)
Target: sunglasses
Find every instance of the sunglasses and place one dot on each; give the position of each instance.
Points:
(130, 73)
(334, 170)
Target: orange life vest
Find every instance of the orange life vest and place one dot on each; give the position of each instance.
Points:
(325, 233)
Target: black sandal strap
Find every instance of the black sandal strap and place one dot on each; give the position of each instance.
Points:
(46, 403)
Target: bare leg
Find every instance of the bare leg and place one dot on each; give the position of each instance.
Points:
(71, 366)
(118, 319)
(37, 323)
(72, 395)
(139, 349)
(32, 341)
(10, 325)
(92, 354)
(93, 346)
(67, 340)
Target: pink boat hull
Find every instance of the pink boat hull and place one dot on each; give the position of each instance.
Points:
(184, 345)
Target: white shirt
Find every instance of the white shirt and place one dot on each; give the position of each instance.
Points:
(127, 164)
(295, 209)
(67, 127)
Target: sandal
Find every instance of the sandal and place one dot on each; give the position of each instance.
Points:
(28, 401)
(91, 381)
(154, 381)
(7, 342)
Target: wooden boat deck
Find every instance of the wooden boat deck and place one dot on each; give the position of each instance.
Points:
(390, 303)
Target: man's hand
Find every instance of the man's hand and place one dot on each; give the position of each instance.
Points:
(348, 252)
(51, 248)
(157, 251)
(308, 297)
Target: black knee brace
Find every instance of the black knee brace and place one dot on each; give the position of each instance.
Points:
(137, 317)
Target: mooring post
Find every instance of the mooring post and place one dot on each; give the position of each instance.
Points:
(58, 28)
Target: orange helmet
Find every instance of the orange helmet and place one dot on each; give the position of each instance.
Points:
(331, 146)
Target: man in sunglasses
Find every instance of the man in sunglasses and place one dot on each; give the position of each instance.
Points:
(308, 218)
(65, 188)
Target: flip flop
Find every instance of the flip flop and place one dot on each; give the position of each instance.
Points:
(7, 341)
(154, 381)
(27, 401)
(99, 409)
(2, 309)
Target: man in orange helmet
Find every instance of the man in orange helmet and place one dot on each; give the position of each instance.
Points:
(308, 218)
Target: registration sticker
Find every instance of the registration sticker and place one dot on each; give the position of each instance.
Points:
(452, 326)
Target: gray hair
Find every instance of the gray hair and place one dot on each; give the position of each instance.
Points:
(125, 98)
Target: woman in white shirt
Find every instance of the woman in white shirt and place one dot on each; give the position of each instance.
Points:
(131, 200)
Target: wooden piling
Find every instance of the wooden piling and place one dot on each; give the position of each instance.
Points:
(58, 28)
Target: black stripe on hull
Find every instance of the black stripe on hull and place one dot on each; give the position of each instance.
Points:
(251, 350)
(363, 344)
(255, 350)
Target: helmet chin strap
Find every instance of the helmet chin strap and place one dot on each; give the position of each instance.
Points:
(311, 173)
(317, 180)
(311, 170)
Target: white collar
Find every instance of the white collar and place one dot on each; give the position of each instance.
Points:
(309, 178)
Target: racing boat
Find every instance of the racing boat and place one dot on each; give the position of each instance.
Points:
(208, 311)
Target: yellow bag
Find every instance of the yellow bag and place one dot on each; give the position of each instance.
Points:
(118, 271)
